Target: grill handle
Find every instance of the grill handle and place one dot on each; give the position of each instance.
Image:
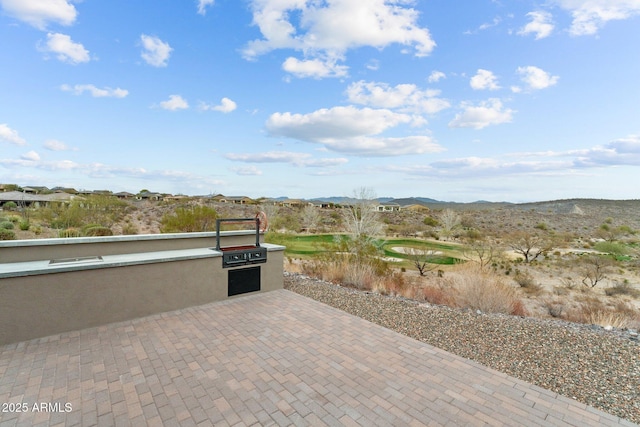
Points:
(255, 220)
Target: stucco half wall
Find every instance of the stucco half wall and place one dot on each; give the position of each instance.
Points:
(38, 298)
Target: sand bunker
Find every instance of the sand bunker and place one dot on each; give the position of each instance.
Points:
(406, 250)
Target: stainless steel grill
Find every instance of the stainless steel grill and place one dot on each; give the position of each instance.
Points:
(234, 256)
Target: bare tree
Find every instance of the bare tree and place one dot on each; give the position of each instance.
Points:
(530, 246)
(310, 217)
(483, 252)
(422, 259)
(360, 217)
(594, 269)
(271, 211)
(449, 219)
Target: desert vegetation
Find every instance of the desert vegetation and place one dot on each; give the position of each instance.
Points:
(575, 260)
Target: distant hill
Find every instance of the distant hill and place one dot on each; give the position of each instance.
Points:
(415, 201)
(402, 202)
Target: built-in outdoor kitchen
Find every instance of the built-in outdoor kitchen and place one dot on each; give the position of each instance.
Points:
(48, 286)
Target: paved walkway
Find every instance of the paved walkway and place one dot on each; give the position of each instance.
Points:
(267, 359)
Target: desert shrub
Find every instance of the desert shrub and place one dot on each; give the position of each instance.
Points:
(288, 222)
(612, 248)
(62, 216)
(593, 311)
(360, 276)
(129, 228)
(526, 281)
(438, 294)
(568, 283)
(70, 232)
(396, 284)
(560, 290)
(7, 234)
(7, 225)
(331, 269)
(483, 290)
(555, 307)
(10, 206)
(473, 234)
(36, 229)
(622, 288)
(353, 262)
(24, 225)
(431, 222)
(97, 230)
(94, 209)
(189, 219)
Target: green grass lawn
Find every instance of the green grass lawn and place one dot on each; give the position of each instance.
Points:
(302, 244)
(308, 245)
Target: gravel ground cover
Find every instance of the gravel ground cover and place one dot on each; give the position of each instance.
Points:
(596, 367)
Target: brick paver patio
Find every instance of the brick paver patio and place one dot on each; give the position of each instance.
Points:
(266, 359)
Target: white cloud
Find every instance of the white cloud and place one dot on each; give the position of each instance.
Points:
(247, 171)
(536, 78)
(337, 122)
(66, 50)
(155, 52)
(541, 25)
(10, 135)
(490, 112)
(174, 103)
(351, 130)
(436, 76)
(226, 106)
(55, 145)
(100, 170)
(406, 97)
(590, 16)
(497, 20)
(315, 68)
(484, 79)
(203, 4)
(623, 151)
(95, 91)
(41, 164)
(31, 156)
(485, 26)
(373, 65)
(293, 158)
(477, 167)
(327, 30)
(39, 13)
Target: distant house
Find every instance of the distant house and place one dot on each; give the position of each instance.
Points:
(148, 195)
(175, 198)
(295, 203)
(35, 189)
(67, 190)
(124, 195)
(270, 202)
(323, 205)
(28, 199)
(237, 200)
(387, 207)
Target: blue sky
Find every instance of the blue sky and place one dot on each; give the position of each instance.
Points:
(467, 100)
